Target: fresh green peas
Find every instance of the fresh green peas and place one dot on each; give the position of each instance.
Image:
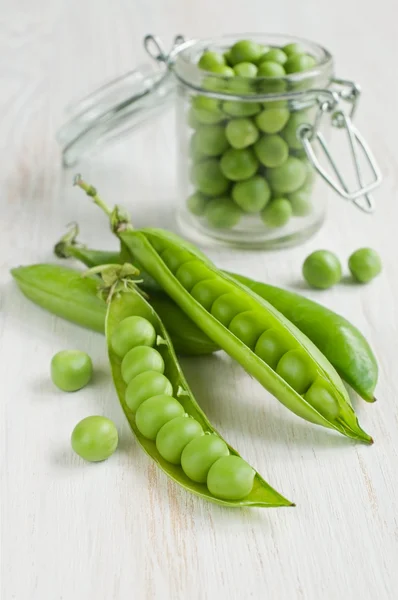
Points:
(295, 369)
(71, 370)
(230, 478)
(297, 63)
(293, 48)
(364, 264)
(200, 454)
(209, 178)
(211, 140)
(191, 272)
(144, 386)
(270, 347)
(245, 69)
(300, 202)
(235, 108)
(252, 195)
(277, 213)
(207, 110)
(206, 291)
(210, 60)
(245, 51)
(247, 326)
(271, 69)
(175, 259)
(155, 412)
(238, 164)
(196, 204)
(222, 213)
(322, 269)
(275, 55)
(175, 435)
(288, 177)
(131, 332)
(227, 306)
(227, 57)
(94, 438)
(272, 120)
(141, 359)
(322, 399)
(271, 150)
(290, 132)
(241, 133)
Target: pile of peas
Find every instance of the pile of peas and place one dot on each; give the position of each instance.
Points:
(160, 417)
(246, 157)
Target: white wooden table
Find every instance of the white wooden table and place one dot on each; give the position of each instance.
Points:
(121, 529)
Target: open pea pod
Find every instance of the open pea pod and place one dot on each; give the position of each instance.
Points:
(129, 303)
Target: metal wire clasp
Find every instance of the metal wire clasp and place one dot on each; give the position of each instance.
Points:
(308, 134)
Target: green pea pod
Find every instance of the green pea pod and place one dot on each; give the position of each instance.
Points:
(126, 304)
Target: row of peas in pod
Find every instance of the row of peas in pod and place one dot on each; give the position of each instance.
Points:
(159, 416)
(246, 156)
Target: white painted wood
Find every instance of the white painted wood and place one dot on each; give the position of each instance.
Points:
(118, 530)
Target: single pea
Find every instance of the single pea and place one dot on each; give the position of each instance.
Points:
(222, 213)
(227, 306)
(364, 264)
(214, 84)
(144, 386)
(238, 164)
(293, 48)
(196, 204)
(287, 178)
(245, 69)
(245, 51)
(270, 69)
(295, 369)
(94, 438)
(200, 454)
(322, 399)
(175, 258)
(272, 120)
(131, 332)
(155, 412)
(235, 108)
(191, 272)
(241, 133)
(209, 178)
(230, 478)
(297, 63)
(322, 269)
(291, 131)
(271, 150)
(277, 213)
(211, 140)
(270, 347)
(300, 202)
(252, 195)
(275, 55)
(207, 291)
(224, 70)
(210, 60)
(175, 435)
(227, 57)
(71, 370)
(207, 110)
(141, 359)
(247, 327)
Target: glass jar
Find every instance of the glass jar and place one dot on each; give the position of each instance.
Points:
(251, 151)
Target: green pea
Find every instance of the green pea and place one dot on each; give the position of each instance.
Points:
(241, 133)
(155, 412)
(214, 84)
(300, 202)
(224, 70)
(209, 178)
(252, 195)
(209, 60)
(200, 454)
(71, 370)
(227, 306)
(297, 63)
(245, 69)
(238, 164)
(271, 150)
(269, 68)
(211, 140)
(294, 367)
(247, 327)
(175, 435)
(275, 55)
(144, 386)
(364, 264)
(174, 259)
(141, 359)
(94, 438)
(207, 291)
(322, 399)
(235, 108)
(196, 204)
(293, 48)
(245, 51)
(322, 269)
(288, 177)
(230, 478)
(227, 57)
(277, 213)
(191, 272)
(272, 120)
(131, 332)
(242, 86)
(290, 132)
(207, 110)
(222, 213)
(270, 347)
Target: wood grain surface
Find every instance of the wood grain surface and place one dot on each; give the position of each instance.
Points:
(121, 529)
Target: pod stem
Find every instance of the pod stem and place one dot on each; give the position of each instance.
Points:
(67, 241)
(116, 278)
